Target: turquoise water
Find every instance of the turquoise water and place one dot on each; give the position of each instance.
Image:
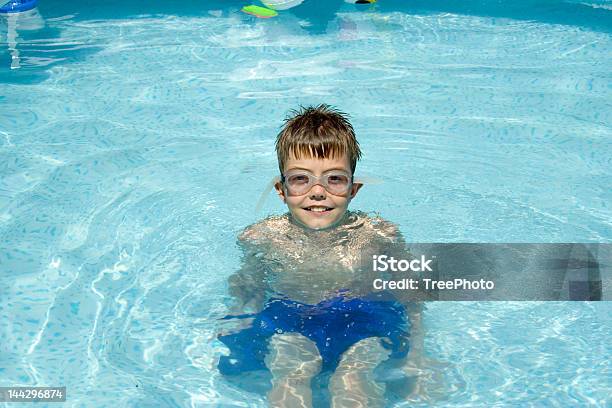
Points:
(136, 139)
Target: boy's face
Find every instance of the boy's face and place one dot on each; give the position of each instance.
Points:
(306, 207)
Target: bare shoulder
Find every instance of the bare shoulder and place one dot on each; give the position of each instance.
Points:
(383, 228)
(263, 231)
(252, 233)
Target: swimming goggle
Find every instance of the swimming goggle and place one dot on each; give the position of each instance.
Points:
(270, 186)
(299, 182)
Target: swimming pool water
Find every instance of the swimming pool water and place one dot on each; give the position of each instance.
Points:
(135, 140)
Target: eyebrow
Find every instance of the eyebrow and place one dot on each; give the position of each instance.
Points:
(326, 171)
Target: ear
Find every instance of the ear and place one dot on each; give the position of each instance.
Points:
(355, 188)
(278, 186)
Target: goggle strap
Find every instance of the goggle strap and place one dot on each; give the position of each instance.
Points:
(266, 193)
(367, 180)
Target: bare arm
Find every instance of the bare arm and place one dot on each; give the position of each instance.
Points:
(394, 245)
(247, 284)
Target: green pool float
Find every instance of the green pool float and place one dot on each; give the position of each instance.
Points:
(260, 12)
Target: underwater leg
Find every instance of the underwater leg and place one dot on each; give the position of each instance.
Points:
(353, 385)
(293, 360)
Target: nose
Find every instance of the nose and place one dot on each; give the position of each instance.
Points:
(317, 192)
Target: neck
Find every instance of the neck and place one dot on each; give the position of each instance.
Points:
(306, 228)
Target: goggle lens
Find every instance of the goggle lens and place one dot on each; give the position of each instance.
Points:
(301, 183)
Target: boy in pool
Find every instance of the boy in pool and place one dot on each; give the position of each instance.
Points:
(307, 277)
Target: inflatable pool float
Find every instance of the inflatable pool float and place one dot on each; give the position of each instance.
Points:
(260, 12)
(18, 6)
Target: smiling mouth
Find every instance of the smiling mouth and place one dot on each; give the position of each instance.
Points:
(318, 209)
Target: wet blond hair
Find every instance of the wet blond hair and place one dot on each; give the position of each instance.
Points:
(317, 132)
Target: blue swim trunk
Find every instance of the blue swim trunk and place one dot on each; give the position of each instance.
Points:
(333, 325)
